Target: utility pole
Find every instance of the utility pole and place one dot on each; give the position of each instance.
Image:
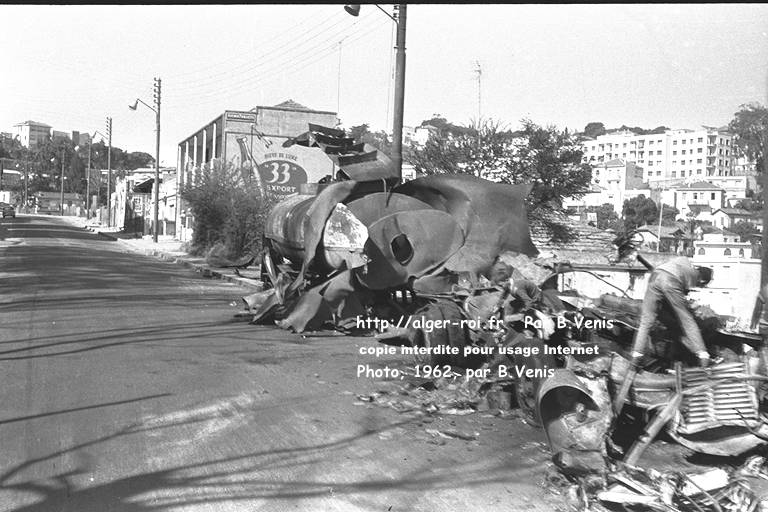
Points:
(479, 72)
(88, 182)
(61, 199)
(109, 172)
(397, 131)
(157, 159)
(26, 177)
(661, 211)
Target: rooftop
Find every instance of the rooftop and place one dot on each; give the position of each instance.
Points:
(700, 185)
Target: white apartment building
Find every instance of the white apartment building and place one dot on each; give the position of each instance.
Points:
(673, 157)
(31, 133)
(697, 197)
(613, 182)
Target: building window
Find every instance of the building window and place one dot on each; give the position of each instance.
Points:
(698, 161)
(658, 173)
(674, 143)
(650, 163)
(701, 139)
(700, 150)
(727, 252)
(674, 153)
(741, 253)
(683, 141)
(713, 196)
(674, 174)
(701, 251)
(650, 142)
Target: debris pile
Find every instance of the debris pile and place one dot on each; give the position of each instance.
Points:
(743, 489)
(451, 394)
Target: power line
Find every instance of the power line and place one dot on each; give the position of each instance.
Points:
(314, 54)
(257, 68)
(310, 17)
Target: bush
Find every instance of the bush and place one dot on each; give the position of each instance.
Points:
(227, 210)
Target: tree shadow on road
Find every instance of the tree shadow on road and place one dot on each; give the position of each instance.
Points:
(255, 476)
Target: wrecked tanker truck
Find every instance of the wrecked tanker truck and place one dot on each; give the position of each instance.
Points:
(365, 246)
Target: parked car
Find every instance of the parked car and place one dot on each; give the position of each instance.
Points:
(8, 210)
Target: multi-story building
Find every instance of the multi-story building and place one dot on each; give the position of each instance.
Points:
(674, 156)
(255, 139)
(697, 198)
(613, 182)
(32, 134)
(57, 135)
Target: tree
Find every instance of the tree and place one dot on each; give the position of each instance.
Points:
(607, 218)
(745, 230)
(551, 161)
(380, 140)
(476, 151)
(594, 129)
(639, 211)
(750, 125)
(546, 158)
(668, 214)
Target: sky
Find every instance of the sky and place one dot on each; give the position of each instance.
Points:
(680, 66)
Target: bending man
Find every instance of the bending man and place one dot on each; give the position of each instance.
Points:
(672, 281)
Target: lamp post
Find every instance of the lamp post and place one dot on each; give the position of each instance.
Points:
(61, 198)
(109, 172)
(88, 176)
(156, 110)
(26, 171)
(397, 124)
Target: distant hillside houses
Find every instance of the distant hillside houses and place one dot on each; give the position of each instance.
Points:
(698, 172)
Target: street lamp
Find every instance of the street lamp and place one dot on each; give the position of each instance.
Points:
(156, 110)
(88, 175)
(397, 128)
(26, 171)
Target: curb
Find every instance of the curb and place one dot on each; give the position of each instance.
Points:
(202, 269)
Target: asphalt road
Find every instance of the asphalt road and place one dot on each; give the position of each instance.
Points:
(127, 386)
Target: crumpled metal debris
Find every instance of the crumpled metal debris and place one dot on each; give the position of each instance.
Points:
(742, 489)
(448, 395)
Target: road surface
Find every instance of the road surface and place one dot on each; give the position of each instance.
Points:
(127, 386)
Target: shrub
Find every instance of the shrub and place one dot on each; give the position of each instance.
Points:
(226, 210)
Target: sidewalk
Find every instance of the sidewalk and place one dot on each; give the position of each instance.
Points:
(169, 249)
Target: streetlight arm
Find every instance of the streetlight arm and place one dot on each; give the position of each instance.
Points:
(136, 104)
(385, 12)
